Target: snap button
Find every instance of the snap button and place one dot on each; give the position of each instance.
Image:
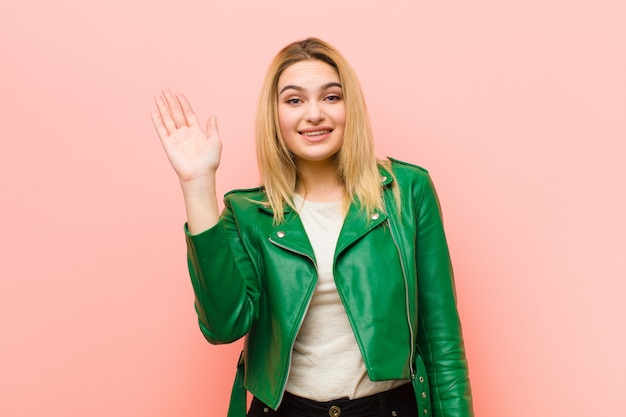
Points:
(423, 395)
(383, 179)
(280, 233)
(375, 216)
(394, 414)
(266, 410)
(334, 411)
(425, 411)
(421, 379)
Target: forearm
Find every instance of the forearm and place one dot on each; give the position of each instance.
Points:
(200, 203)
(223, 280)
(221, 298)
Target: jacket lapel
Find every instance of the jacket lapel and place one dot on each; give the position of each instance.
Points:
(356, 225)
(290, 235)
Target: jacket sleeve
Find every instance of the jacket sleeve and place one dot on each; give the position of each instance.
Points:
(439, 337)
(225, 285)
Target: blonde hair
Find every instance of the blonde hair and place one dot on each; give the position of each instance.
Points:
(357, 163)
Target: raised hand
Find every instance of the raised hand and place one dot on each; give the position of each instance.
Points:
(195, 155)
(193, 152)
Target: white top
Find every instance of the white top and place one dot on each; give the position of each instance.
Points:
(326, 362)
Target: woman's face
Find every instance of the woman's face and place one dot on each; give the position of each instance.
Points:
(311, 110)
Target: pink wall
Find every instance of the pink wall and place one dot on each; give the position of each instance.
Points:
(518, 109)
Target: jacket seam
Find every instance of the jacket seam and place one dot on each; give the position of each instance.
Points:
(434, 386)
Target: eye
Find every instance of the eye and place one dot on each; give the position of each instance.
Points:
(333, 98)
(293, 100)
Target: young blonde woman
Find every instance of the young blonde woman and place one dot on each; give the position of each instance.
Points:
(335, 270)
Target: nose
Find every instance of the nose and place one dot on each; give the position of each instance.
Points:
(314, 112)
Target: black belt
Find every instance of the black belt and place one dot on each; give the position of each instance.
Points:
(373, 405)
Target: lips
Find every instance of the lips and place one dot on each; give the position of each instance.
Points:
(316, 133)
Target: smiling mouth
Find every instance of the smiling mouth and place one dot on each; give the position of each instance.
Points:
(316, 133)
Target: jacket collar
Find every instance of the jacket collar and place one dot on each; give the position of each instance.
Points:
(386, 179)
(290, 234)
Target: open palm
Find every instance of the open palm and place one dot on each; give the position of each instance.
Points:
(192, 151)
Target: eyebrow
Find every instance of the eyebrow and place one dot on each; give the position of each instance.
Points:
(298, 88)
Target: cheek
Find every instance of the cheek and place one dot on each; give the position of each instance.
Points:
(340, 115)
(284, 121)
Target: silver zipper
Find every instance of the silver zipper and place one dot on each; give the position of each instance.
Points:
(406, 288)
(293, 342)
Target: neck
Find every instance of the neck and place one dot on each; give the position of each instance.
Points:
(319, 181)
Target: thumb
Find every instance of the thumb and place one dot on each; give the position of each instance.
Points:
(211, 127)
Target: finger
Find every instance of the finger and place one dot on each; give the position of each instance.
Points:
(165, 116)
(211, 127)
(188, 112)
(175, 110)
(158, 124)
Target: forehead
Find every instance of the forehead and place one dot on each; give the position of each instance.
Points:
(311, 73)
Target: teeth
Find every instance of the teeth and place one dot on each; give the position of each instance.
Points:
(316, 132)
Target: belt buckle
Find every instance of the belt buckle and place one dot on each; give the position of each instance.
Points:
(334, 411)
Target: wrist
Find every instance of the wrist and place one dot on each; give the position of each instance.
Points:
(200, 180)
(203, 185)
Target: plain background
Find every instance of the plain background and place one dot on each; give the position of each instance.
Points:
(517, 108)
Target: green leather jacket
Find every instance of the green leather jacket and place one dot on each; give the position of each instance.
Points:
(393, 273)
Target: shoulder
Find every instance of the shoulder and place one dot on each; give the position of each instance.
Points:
(413, 182)
(405, 171)
(398, 165)
(245, 197)
(249, 192)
